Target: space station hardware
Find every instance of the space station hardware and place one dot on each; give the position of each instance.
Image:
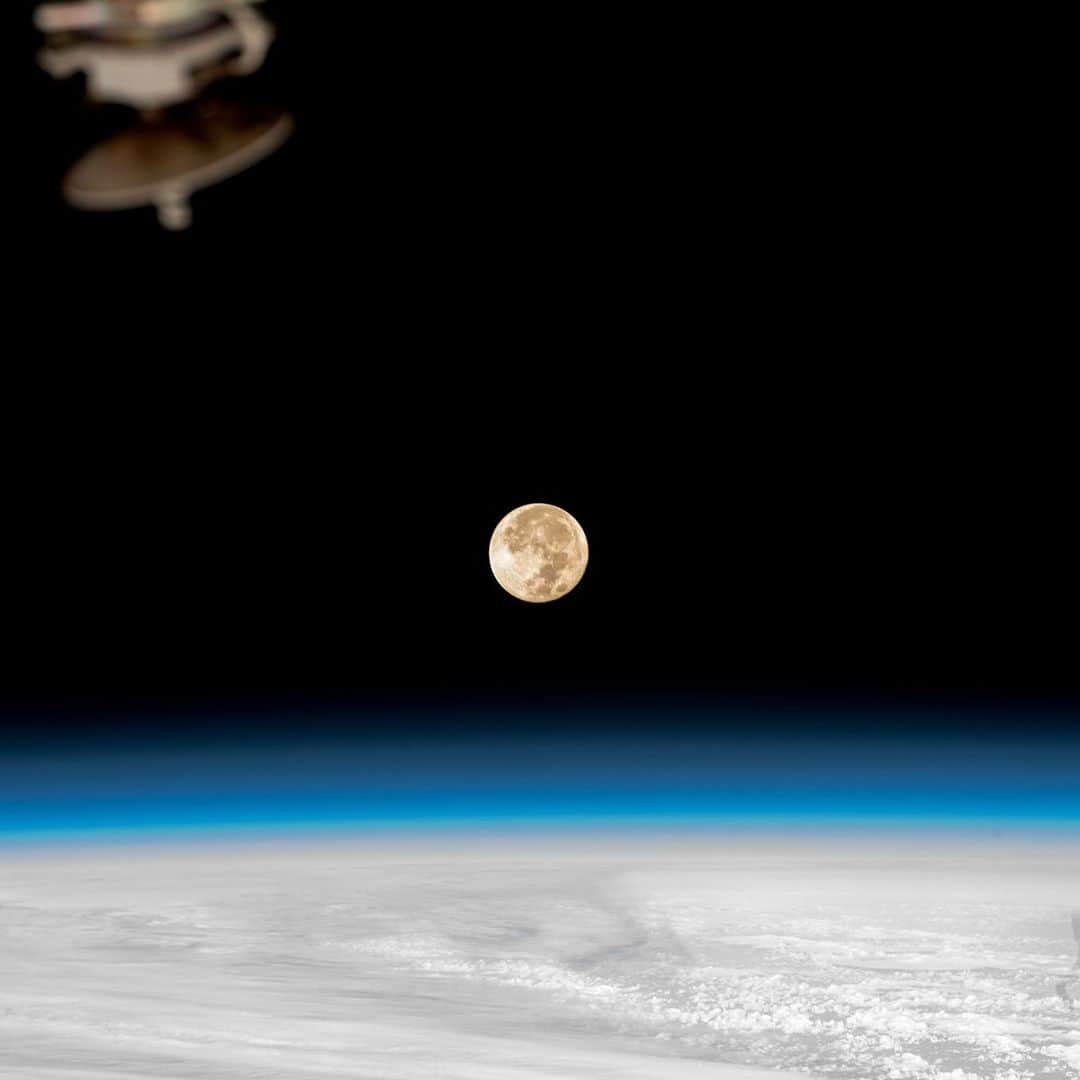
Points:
(162, 58)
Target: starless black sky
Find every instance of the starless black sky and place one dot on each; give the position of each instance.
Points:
(747, 329)
(775, 544)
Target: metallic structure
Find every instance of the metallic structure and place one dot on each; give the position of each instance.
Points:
(162, 58)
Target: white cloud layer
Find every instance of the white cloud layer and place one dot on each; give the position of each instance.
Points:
(631, 960)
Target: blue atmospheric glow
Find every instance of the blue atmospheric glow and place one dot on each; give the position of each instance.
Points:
(376, 783)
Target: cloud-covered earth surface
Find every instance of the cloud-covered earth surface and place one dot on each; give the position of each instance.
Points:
(613, 956)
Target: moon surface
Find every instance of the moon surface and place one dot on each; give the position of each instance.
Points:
(538, 552)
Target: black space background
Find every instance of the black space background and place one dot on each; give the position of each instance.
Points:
(750, 313)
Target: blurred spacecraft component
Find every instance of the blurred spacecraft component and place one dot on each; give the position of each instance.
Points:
(162, 164)
(151, 74)
(156, 55)
(115, 14)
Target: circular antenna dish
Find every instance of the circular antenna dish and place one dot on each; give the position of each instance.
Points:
(162, 163)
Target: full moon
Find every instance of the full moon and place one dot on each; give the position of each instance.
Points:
(538, 552)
